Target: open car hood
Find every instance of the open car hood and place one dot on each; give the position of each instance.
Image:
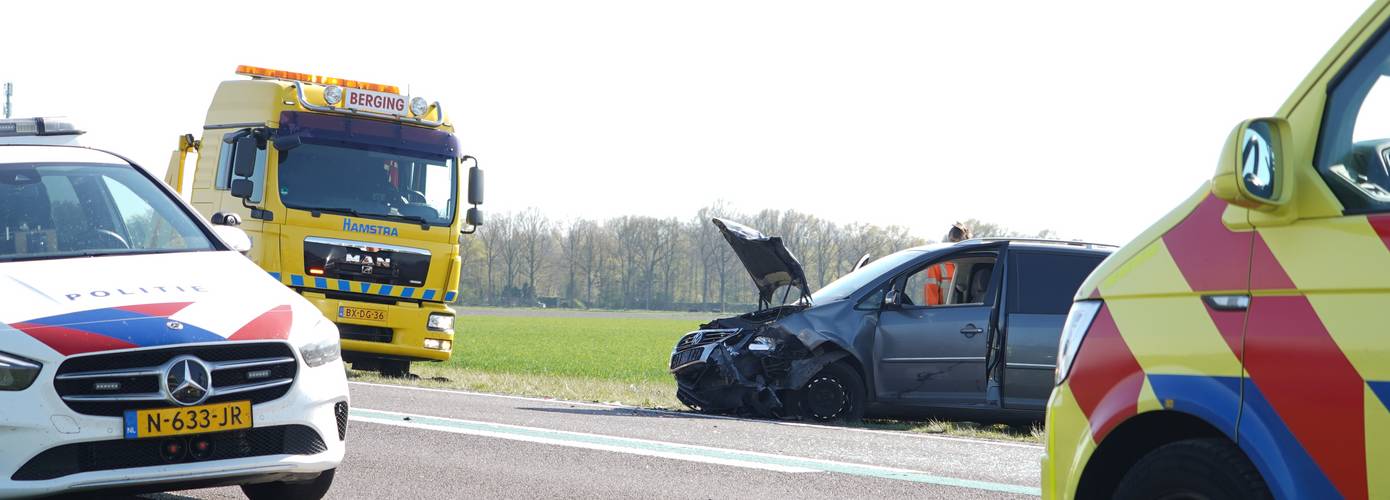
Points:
(766, 258)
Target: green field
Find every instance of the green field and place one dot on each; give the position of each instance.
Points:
(605, 357)
(631, 350)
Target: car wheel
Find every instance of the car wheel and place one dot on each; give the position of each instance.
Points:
(1196, 469)
(313, 489)
(394, 368)
(835, 394)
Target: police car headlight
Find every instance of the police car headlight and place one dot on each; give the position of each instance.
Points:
(418, 106)
(1073, 331)
(332, 95)
(16, 373)
(440, 322)
(324, 348)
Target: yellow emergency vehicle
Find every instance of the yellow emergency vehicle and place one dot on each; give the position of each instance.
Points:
(353, 196)
(1236, 349)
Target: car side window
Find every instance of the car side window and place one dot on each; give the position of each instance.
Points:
(1045, 283)
(957, 281)
(1353, 153)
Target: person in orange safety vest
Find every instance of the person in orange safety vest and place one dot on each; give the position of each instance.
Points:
(939, 275)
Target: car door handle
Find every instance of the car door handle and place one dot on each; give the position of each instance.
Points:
(971, 330)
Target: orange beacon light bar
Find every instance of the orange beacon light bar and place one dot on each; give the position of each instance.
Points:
(254, 71)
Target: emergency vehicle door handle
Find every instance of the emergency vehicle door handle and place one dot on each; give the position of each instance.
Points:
(971, 330)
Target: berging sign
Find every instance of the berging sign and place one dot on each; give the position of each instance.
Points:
(376, 102)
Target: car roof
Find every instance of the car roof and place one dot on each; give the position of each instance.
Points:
(31, 153)
(1058, 246)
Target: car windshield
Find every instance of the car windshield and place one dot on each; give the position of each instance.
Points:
(849, 283)
(379, 184)
(57, 210)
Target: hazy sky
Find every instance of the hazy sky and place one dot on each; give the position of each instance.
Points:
(1090, 118)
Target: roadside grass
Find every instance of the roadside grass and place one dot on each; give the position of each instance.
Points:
(619, 360)
(957, 428)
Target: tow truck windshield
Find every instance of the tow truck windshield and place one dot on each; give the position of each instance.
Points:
(369, 183)
(55, 210)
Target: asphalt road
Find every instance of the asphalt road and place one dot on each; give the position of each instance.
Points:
(423, 443)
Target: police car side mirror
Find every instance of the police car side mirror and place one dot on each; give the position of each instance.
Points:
(235, 238)
(242, 188)
(1253, 170)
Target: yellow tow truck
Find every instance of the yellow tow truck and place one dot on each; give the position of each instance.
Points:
(353, 195)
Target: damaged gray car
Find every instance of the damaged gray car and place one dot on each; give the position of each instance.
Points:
(965, 329)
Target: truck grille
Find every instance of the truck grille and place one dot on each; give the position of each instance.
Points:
(365, 333)
(109, 384)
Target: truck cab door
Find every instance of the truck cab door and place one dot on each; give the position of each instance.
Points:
(934, 353)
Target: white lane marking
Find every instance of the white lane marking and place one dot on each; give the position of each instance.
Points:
(676, 451)
(537, 435)
(899, 434)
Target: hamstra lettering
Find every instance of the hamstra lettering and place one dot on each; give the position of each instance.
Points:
(349, 225)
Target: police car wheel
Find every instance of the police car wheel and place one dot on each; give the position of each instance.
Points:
(1198, 469)
(835, 394)
(313, 489)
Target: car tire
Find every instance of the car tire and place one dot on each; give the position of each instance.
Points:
(1211, 469)
(835, 394)
(394, 368)
(313, 489)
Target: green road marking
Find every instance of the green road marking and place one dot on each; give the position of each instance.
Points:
(674, 449)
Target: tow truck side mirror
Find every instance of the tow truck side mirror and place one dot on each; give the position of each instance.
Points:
(1253, 170)
(244, 156)
(475, 185)
(242, 188)
(474, 217)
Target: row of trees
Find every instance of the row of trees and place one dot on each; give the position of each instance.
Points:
(642, 262)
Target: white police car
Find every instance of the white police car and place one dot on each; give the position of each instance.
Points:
(140, 351)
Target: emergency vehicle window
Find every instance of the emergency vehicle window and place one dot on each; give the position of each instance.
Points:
(1043, 283)
(959, 281)
(51, 211)
(363, 182)
(143, 227)
(1353, 153)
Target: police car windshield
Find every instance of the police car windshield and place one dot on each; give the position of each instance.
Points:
(366, 183)
(852, 282)
(60, 210)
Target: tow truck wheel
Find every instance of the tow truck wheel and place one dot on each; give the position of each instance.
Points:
(313, 489)
(1196, 469)
(394, 368)
(836, 394)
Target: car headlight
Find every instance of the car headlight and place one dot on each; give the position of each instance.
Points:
(440, 322)
(1078, 322)
(16, 373)
(325, 348)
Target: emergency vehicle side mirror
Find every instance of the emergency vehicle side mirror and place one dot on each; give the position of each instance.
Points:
(475, 185)
(474, 217)
(1253, 170)
(244, 156)
(242, 188)
(234, 238)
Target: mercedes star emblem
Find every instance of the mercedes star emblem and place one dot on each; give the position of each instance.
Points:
(187, 381)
